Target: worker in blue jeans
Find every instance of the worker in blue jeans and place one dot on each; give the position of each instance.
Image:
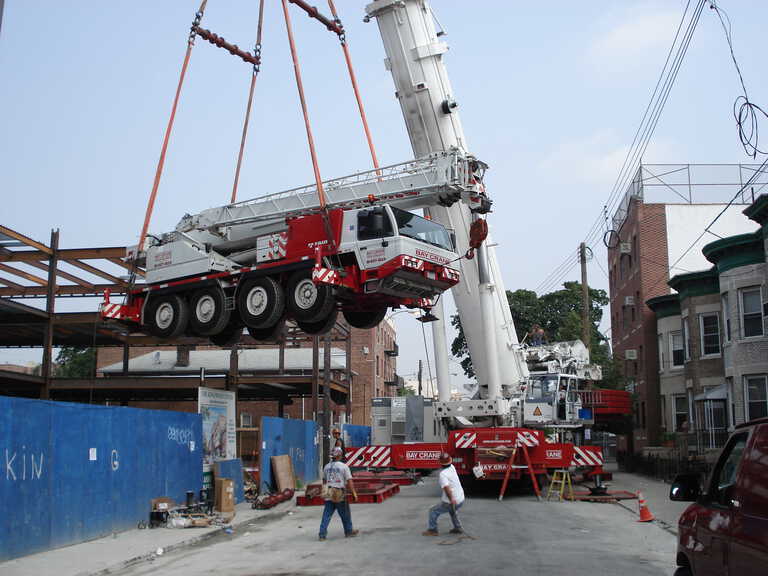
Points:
(452, 497)
(337, 478)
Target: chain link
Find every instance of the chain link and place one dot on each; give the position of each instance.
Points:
(194, 27)
(257, 56)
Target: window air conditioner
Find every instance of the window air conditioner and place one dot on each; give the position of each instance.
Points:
(630, 354)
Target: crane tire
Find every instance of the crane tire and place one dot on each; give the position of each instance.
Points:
(230, 335)
(167, 315)
(207, 311)
(307, 301)
(270, 333)
(321, 326)
(365, 319)
(260, 302)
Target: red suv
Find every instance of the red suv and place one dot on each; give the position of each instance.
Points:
(725, 531)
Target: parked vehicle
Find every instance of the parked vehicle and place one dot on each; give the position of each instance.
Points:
(725, 530)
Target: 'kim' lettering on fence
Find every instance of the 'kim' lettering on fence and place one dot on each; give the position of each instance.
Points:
(22, 466)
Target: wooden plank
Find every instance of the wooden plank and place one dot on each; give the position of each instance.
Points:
(22, 274)
(26, 240)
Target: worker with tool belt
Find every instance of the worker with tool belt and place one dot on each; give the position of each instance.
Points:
(452, 497)
(337, 479)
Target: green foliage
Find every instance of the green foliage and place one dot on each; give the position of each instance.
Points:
(405, 391)
(559, 314)
(75, 362)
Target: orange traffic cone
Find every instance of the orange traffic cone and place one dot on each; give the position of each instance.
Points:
(645, 513)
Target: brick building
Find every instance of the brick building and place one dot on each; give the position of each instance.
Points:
(650, 242)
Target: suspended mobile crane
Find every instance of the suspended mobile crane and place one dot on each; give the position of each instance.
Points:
(349, 244)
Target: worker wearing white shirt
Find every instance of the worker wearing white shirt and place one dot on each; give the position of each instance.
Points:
(452, 498)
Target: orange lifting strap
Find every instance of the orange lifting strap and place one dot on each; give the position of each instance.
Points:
(257, 54)
(169, 128)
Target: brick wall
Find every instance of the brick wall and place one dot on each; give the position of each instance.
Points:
(640, 274)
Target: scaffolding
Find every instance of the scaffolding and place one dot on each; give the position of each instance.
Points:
(692, 184)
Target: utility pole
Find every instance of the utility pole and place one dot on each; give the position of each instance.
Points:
(419, 377)
(586, 324)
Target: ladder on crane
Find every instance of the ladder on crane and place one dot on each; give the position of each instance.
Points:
(439, 179)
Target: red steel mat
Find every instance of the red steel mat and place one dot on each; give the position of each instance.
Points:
(366, 494)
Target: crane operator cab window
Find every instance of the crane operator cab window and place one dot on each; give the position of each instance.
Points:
(373, 223)
(543, 388)
(412, 226)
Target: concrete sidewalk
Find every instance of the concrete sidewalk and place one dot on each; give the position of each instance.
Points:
(656, 494)
(124, 549)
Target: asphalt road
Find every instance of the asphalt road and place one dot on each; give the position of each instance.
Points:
(516, 536)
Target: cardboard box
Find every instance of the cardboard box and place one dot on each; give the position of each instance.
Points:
(225, 496)
(161, 504)
(282, 469)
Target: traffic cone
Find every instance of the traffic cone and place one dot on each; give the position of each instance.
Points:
(645, 513)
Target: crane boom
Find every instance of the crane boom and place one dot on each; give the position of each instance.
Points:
(415, 58)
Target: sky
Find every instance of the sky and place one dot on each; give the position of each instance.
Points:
(550, 95)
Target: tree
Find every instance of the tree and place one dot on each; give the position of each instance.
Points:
(75, 362)
(559, 314)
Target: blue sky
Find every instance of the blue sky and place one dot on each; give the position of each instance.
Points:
(550, 95)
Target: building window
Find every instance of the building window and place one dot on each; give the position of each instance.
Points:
(635, 253)
(751, 312)
(678, 358)
(681, 412)
(662, 367)
(757, 396)
(378, 365)
(686, 339)
(709, 325)
(726, 316)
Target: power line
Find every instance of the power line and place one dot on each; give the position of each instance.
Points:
(649, 122)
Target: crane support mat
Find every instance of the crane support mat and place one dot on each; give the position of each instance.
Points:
(610, 496)
(367, 493)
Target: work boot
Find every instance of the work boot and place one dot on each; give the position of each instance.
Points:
(322, 538)
(430, 533)
(456, 531)
(352, 534)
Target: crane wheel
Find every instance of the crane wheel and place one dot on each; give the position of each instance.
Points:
(260, 302)
(167, 315)
(230, 335)
(320, 327)
(307, 301)
(270, 333)
(207, 311)
(365, 319)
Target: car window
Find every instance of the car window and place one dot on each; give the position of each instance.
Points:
(724, 474)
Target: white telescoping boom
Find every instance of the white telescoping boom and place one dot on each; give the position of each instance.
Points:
(415, 59)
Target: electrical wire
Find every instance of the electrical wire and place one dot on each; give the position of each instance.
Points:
(745, 112)
(650, 119)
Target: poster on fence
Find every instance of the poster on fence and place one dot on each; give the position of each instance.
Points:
(217, 408)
